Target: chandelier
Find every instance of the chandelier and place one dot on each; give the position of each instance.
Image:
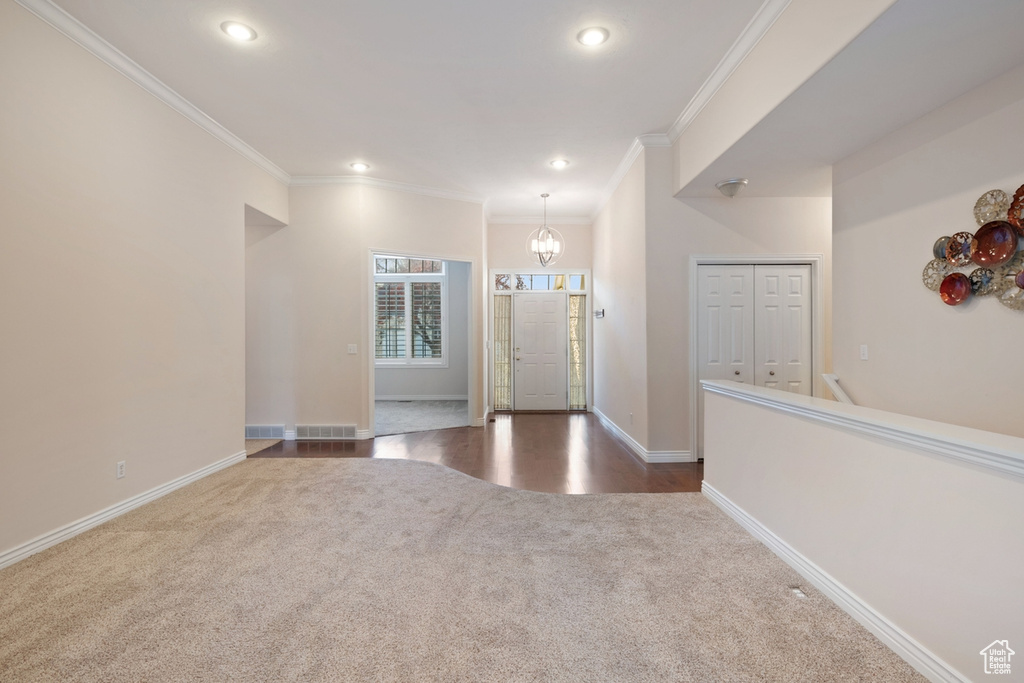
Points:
(545, 243)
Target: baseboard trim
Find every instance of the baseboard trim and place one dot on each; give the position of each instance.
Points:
(668, 456)
(430, 397)
(479, 421)
(915, 654)
(56, 536)
(289, 435)
(363, 434)
(641, 452)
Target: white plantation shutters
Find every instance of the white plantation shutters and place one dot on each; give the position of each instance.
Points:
(410, 311)
(390, 320)
(426, 319)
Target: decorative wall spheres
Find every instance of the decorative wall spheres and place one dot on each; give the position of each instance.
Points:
(995, 248)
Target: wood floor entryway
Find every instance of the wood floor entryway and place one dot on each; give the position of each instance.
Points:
(552, 453)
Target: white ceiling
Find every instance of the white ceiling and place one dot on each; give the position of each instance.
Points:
(914, 58)
(461, 95)
(477, 97)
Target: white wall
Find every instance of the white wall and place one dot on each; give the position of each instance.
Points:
(450, 382)
(679, 228)
(122, 268)
(311, 285)
(892, 201)
(931, 544)
(506, 246)
(620, 338)
(800, 41)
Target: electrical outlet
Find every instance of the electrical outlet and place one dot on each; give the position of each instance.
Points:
(631, 418)
(120, 469)
(863, 351)
(353, 349)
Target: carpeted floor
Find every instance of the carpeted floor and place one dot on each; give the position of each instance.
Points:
(338, 570)
(402, 417)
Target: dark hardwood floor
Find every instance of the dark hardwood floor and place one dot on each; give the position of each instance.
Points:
(553, 453)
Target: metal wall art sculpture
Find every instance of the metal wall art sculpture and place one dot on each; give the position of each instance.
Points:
(989, 262)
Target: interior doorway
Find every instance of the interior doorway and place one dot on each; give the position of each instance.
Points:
(421, 343)
(755, 320)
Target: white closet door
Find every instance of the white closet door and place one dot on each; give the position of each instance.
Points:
(782, 328)
(753, 326)
(725, 329)
(725, 343)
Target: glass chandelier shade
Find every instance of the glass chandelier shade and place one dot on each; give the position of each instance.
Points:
(545, 243)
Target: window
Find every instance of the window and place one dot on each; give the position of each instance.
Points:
(409, 303)
(526, 281)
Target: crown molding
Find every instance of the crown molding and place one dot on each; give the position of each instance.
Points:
(312, 180)
(640, 143)
(537, 220)
(765, 18)
(110, 55)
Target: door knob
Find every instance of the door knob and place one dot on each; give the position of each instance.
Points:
(771, 372)
(517, 357)
(737, 372)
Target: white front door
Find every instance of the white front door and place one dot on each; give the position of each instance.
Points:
(540, 350)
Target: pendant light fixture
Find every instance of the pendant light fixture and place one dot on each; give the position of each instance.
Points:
(545, 244)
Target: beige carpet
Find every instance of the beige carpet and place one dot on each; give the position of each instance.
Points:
(360, 569)
(256, 445)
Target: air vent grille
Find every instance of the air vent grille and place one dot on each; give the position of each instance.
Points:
(325, 432)
(264, 431)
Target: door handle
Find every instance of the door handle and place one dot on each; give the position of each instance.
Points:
(517, 357)
(737, 372)
(771, 372)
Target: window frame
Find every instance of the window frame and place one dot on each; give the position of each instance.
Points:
(408, 279)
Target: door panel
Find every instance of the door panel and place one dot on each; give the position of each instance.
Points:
(540, 350)
(782, 315)
(725, 323)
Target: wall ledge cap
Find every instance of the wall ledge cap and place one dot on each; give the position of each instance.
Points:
(999, 452)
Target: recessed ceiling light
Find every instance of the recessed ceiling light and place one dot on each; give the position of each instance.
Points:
(238, 31)
(594, 35)
(560, 163)
(360, 166)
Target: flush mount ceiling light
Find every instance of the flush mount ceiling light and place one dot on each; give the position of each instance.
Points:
(731, 186)
(560, 163)
(360, 166)
(595, 35)
(238, 31)
(545, 243)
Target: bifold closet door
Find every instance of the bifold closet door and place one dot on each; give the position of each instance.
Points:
(782, 328)
(753, 326)
(725, 343)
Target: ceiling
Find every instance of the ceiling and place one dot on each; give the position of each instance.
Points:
(474, 97)
(916, 57)
(460, 95)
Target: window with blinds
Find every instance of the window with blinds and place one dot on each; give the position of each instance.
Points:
(409, 311)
